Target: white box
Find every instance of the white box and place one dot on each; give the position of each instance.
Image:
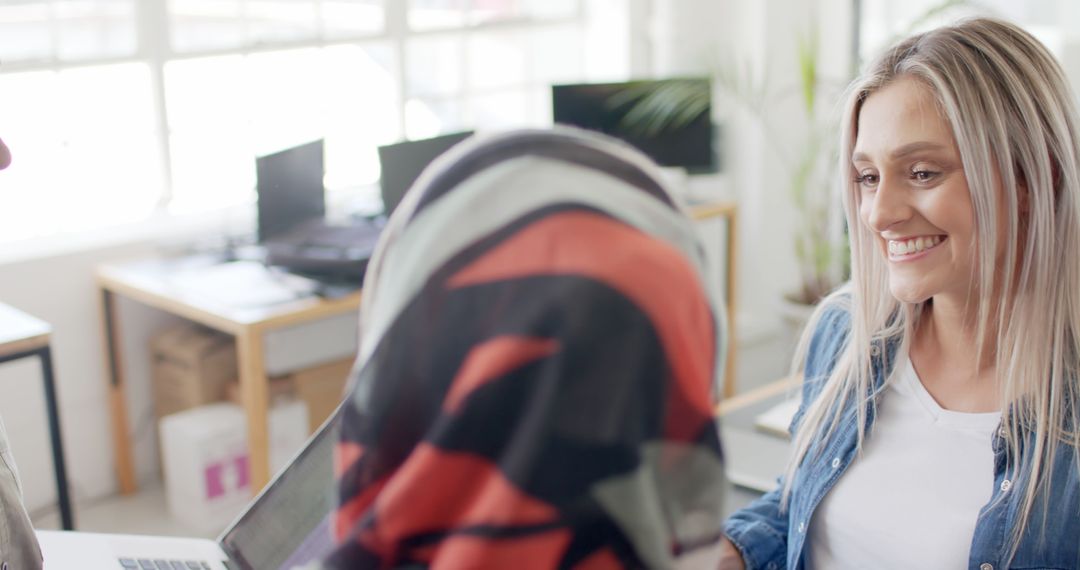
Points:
(205, 458)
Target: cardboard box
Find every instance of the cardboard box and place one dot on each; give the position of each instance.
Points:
(205, 459)
(321, 388)
(191, 366)
(280, 388)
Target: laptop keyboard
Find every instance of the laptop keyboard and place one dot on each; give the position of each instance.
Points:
(147, 564)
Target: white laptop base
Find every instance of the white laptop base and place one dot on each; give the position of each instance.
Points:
(92, 551)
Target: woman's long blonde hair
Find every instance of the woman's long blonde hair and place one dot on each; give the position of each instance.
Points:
(1016, 126)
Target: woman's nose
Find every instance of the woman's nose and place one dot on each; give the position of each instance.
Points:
(888, 206)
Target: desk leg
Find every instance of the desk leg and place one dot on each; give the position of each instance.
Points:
(253, 394)
(125, 468)
(730, 384)
(66, 520)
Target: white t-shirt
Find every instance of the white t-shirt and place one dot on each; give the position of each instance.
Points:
(911, 500)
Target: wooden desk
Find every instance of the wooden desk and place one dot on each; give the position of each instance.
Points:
(729, 213)
(149, 283)
(22, 336)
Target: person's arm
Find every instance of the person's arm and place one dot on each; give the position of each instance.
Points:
(5, 155)
(730, 557)
(757, 535)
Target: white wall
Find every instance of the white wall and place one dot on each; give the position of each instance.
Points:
(60, 289)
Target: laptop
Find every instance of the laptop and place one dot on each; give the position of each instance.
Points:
(287, 525)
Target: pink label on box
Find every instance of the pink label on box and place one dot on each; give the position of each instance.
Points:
(226, 476)
(242, 478)
(215, 480)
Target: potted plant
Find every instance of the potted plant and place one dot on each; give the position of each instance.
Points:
(807, 162)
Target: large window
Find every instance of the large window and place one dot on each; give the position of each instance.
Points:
(1055, 22)
(117, 110)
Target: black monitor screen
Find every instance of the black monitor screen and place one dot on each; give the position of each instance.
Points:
(669, 120)
(403, 162)
(290, 188)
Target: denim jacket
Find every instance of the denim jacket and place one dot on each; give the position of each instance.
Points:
(770, 539)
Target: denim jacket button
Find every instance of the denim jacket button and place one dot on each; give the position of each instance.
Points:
(802, 528)
(986, 566)
(1006, 485)
(836, 463)
(874, 350)
(1002, 432)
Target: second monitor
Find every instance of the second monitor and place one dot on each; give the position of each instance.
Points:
(403, 162)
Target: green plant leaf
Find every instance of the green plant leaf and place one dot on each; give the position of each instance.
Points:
(808, 73)
(656, 107)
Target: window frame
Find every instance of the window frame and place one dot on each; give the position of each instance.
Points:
(153, 48)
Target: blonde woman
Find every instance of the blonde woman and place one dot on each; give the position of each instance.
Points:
(938, 427)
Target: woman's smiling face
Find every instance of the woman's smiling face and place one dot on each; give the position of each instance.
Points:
(913, 194)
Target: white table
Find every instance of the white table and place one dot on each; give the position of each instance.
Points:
(24, 336)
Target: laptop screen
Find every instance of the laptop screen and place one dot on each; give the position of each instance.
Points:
(288, 524)
(289, 184)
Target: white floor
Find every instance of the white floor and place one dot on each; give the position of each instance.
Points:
(142, 513)
(759, 361)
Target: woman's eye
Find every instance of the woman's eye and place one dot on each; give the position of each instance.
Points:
(867, 179)
(923, 175)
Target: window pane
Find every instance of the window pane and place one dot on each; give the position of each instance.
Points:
(36, 30)
(199, 25)
(556, 54)
(551, 8)
(94, 28)
(432, 14)
(362, 112)
(270, 101)
(211, 172)
(433, 65)
(429, 118)
(503, 110)
(25, 33)
(210, 146)
(484, 11)
(540, 106)
(79, 162)
(272, 21)
(496, 59)
(346, 18)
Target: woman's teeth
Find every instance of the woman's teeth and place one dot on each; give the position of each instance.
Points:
(913, 245)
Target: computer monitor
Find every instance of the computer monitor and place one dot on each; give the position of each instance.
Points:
(290, 188)
(403, 162)
(605, 107)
